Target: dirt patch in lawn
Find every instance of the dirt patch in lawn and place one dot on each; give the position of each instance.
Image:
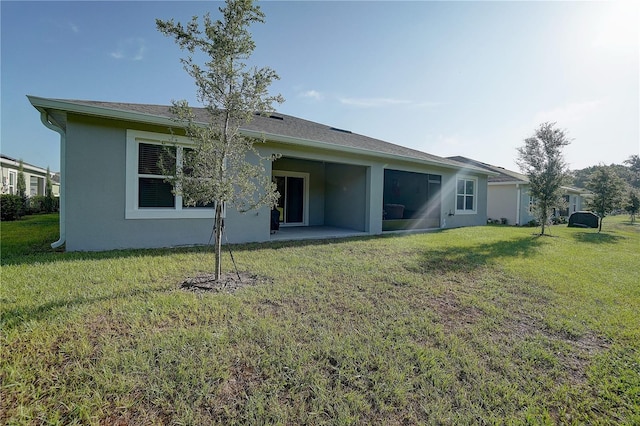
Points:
(229, 282)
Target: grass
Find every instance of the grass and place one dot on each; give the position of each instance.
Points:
(464, 326)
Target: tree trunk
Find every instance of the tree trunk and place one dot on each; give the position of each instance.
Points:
(600, 226)
(218, 240)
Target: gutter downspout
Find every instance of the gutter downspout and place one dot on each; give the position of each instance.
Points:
(44, 117)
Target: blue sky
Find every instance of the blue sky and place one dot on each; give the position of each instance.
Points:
(448, 78)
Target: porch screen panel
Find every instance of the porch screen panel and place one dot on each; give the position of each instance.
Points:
(295, 199)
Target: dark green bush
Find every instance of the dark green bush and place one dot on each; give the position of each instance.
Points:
(11, 207)
(42, 204)
(558, 220)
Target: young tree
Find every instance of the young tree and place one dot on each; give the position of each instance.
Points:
(541, 159)
(633, 204)
(21, 189)
(607, 192)
(48, 193)
(21, 185)
(215, 170)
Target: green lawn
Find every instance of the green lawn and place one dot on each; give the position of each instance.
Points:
(477, 325)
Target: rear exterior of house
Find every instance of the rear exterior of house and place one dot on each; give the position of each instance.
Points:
(112, 198)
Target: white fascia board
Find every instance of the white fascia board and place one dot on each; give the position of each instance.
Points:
(25, 166)
(98, 111)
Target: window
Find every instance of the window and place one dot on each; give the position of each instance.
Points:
(153, 191)
(466, 195)
(35, 186)
(148, 195)
(13, 178)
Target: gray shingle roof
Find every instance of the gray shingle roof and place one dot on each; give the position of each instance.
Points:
(504, 175)
(287, 126)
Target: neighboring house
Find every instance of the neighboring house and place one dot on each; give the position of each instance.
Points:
(508, 195)
(34, 177)
(113, 196)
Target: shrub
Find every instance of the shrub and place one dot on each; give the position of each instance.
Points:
(11, 207)
(559, 220)
(42, 204)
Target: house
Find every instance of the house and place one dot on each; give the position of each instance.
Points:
(35, 177)
(508, 195)
(329, 179)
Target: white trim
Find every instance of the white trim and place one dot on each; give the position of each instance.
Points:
(132, 211)
(305, 195)
(475, 194)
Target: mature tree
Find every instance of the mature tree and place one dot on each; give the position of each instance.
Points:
(215, 170)
(634, 169)
(607, 188)
(542, 160)
(633, 204)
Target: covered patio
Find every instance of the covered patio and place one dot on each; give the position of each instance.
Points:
(292, 233)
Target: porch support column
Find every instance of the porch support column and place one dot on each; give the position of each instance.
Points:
(375, 189)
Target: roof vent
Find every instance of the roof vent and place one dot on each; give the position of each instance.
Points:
(340, 130)
(275, 117)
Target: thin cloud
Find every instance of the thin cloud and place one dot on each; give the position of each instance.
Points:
(569, 113)
(74, 28)
(312, 94)
(131, 48)
(385, 102)
(373, 102)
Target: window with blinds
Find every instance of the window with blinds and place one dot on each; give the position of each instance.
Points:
(153, 191)
(151, 158)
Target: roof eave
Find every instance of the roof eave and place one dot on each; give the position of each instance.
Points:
(43, 104)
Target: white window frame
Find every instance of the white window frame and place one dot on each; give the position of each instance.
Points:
(12, 186)
(475, 194)
(305, 196)
(132, 211)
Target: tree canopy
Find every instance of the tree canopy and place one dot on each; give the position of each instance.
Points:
(216, 169)
(542, 160)
(607, 192)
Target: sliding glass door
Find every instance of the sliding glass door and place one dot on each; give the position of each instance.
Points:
(293, 201)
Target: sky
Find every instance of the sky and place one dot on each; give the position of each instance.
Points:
(448, 78)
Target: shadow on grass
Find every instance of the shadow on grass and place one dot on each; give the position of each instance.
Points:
(469, 258)
(10, 319)
(596, 237)
(51, 255)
